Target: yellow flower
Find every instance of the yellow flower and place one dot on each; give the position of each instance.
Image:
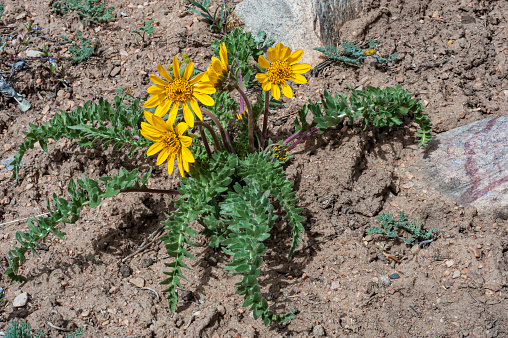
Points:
(370, 51)
(171, 92)
(240, 115)
(168, 141)
(282, 65)
(281, 152)
(218, 66)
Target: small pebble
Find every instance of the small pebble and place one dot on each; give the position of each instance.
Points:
(448, 283)
(394, 276)
(385, 281)
(319, 331)
(125, 270)
(147, 262)
(335, 285)
(20, 300)
(456, 274)
(114, 289)
(211, 260)
(139, 282)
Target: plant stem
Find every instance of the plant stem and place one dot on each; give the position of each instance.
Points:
(265, 119)
(205, 141)
(291, 137)
(223, 133)
(153, 191)
(250, 117)
(212, 132)
(302, 138)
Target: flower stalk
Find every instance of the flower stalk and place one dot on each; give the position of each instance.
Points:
(223, 133)
(205, 141)
(265, 119)
(250, 118)
(302, 138)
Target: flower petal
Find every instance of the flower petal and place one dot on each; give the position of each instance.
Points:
(181, 128)
(263, 62)
(216, 66)
(150, 129)
(266, 86)
(197, 78)
(298, 78)
(188, 116)
(189, 69)
(195, 107)
(285, 52)
(295, 57)
(148, 116)
(155, 148)
(176, 68)
(162, 109)
(171, 164)
(261, 77)
(204, 99)
(160, 124)
(173, 113)
(187, 155)
(286, 90)
(271, 54)
(152, 101)
(301, 68)
(278, 49)
(204, 89)
(163, 156)
(156, 90)
(180, 165)
(149, 136)
(275, 91)
(157, 80)
(162, 71)
(223, 53)
(186, 141)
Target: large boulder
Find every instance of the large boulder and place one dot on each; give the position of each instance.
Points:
(470, 165)
(303, 24)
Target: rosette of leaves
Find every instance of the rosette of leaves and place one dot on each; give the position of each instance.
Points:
(233, 199)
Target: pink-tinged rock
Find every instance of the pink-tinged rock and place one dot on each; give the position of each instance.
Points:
(470, 165)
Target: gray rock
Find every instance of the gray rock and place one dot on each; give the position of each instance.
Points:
(125, 270)
(20, 300)
(319, 331)
(385, 281)
(285, 21)
(33, 53)
(7, 162)
(470, 165)
(147, 262)
(394, 276)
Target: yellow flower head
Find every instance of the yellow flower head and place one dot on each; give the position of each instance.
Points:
(280, 152)
(282, 65)
(168, 141)
(371, 51)
(219, 66)
(176, 90)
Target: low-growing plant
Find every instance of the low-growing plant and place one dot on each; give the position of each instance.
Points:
(218, 21)
(88, 10)
(80, 52)
(233, 179)
(19, 329)
(353, 54)
(390, 227)
(146, 28)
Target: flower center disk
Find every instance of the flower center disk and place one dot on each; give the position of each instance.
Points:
(171, 142)
(179, 91)
(279, 72)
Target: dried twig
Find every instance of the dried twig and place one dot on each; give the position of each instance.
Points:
(58, 328)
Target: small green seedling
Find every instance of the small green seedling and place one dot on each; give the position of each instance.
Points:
(390, 225)
(218, 21)
(86, 9)
(83, 52)
(146, 28)
(24, 330)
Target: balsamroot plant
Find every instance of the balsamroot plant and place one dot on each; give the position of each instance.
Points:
(232, 173)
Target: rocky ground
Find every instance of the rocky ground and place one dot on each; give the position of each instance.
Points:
(453, 54)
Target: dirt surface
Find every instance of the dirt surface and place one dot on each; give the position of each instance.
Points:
(452, 53)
